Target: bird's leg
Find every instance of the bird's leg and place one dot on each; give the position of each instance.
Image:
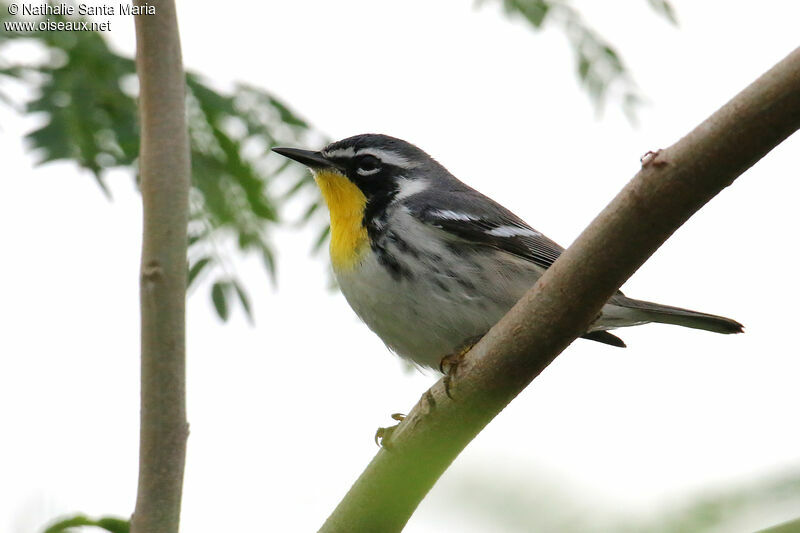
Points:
(383, 437)
(449, 363)
(447, 366)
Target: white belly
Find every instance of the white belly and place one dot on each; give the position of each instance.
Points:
(441, 297)
(446, 300)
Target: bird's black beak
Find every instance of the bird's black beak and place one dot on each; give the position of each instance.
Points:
(308, 157)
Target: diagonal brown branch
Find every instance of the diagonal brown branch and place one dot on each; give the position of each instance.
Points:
(164, 170)
(671, 186)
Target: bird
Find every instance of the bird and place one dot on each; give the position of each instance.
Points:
(430, 264)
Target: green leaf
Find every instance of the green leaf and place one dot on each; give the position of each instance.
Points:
(220, 299)
(612, 55)
(194, 239)
(598, 65)
(583, 66)
(269, 263)
(304, 181)
(86, 95)
(664, 8)
(287, 115)
(312, 208)
(111, 524)
(321, 239)
(196, 268)
(533, 10)
(244, 300)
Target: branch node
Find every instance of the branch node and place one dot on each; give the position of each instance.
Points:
(652, 158)
(152, 272)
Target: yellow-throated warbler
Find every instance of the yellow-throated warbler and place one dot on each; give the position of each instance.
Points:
(430, 264)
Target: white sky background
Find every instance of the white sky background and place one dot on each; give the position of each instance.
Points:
(282, 414)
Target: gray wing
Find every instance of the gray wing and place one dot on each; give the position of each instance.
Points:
(475, 218)
(472, 217)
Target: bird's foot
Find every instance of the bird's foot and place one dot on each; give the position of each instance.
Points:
(450, 363)
(383, 437)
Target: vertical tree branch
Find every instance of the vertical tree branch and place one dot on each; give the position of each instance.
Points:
(671, 186)
(164, 169)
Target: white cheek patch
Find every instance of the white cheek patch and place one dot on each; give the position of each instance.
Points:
(408, 187)
(512, 231)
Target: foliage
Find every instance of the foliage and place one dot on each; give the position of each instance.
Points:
(531, 501)
(599, 66)
(86, 94)
(663, 7)
(108, 523)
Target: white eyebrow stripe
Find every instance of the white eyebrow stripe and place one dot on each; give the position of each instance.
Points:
(453, 215)
(512, 231)
(388, 157)
(341, 152)
(408, 187)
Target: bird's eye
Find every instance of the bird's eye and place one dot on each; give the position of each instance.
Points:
(367, 164)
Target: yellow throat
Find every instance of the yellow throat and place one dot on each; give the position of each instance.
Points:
(346, 204)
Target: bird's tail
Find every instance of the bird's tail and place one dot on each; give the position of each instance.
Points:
(666, 314)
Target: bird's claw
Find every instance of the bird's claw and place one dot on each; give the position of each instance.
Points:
(383, 436)
(446, 380)
(450, 363)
